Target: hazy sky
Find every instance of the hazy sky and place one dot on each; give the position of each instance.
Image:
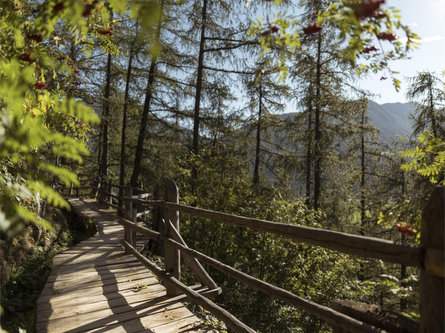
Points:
(427, 19)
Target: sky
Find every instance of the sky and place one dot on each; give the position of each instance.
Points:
(426, 18)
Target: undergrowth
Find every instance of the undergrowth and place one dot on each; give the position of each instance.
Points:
(26, 262)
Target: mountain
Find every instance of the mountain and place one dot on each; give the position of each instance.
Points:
(391, 119)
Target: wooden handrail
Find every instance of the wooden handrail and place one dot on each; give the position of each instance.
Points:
(367, 247)
(230, 320)
(321, 311)
(430, 256)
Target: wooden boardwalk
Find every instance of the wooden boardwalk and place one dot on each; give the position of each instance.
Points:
(95, 287)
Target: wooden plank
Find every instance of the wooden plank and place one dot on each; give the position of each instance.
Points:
(80, 300)
(90, 304)
(155, 314)
(156, 292)
(55, 295)
(100, 281)
(118, 268)
(326, 313)
(95, 286)
(174, 326)
(234, 323)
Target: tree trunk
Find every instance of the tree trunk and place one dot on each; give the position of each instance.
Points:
(256, 176)
(309, 147)
(432, 116)
(195, 144)
(146, 110)
(317, 150)
(123, 133)
(103, 171)
(362, 180)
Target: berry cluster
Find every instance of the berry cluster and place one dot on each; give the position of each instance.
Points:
(405, 228)
(40, 85)
(312, 29)
(369, 49)
(26, 56)
(389, 36)
(34, 37)
(106, 32)
(368, 8)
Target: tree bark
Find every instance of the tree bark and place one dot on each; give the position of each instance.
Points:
(146, 110)
(317, 150)
(309, 147)
(362, 180)
(103, 170)
(256, 176)
(195, 144)
(123, 132)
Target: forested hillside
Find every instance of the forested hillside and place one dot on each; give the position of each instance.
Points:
(136, 92)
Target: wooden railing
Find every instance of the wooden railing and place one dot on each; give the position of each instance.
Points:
(429, 256)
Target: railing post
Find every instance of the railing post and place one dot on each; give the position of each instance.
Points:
(128, 214)
(110, 194)
(172, 256)
(95, 189)
(432, 308)
(155, 247)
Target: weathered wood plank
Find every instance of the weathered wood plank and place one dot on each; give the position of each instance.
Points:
(231, 321)
(95, 286)
(194, 265)
(321, 311)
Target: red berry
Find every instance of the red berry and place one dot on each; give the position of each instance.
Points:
(62, 57)
(34, 37)
(106, 32)
(58, 7)
(369, 49)
(37, 70)
(76, 71)
(312, 29)
(405, 228)
(26, 57)
(380, 15)
(274, 29)
(87, 10)
(367, 8)
(389, 36)
(40, 85)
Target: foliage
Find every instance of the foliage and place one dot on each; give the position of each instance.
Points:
(360, 30)
(26, 263)
(427, 158)
(314, 273)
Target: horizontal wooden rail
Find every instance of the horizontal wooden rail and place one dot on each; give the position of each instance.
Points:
(235, 324)
(321, 311)
(142, 196)
(367, 247)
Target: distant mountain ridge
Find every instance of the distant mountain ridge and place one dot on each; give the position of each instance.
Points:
(391, 119)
